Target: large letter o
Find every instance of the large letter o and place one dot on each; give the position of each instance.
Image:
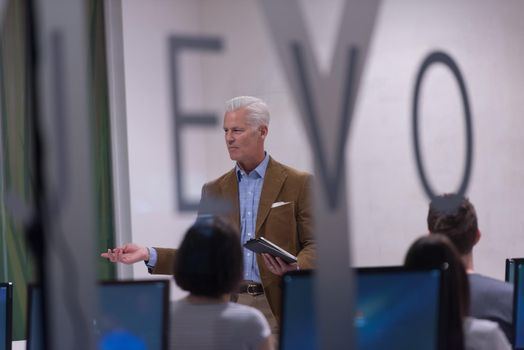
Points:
(441, 57)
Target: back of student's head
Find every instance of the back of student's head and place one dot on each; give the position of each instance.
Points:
(209, 260)
(437, 252)
(455, 217)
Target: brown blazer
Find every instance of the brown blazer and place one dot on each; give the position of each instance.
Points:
(289, 226)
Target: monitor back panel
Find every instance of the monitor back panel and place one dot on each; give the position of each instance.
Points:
(34, 319)
(509, 275)
(395, 309)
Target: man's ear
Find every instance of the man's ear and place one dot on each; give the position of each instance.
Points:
(263, 131)
(477, 237)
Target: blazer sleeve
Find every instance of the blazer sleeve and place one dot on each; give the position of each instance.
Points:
(306, 256)
(165, 261)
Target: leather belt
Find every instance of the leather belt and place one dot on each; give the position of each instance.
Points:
(251, 288)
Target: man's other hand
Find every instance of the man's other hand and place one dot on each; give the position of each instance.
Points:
(277, 265)
(128, 254)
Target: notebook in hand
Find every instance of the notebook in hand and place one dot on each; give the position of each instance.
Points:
(262, 245)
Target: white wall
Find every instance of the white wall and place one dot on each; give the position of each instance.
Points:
(147, 25)
(387, 203)
(389, 207)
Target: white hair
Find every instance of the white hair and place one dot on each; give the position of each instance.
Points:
(258, 113)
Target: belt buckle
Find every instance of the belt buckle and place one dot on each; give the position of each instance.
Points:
(252, 289)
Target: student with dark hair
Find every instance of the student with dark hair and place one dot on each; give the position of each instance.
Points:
(455, 217)
(208, 265)
(462, 332)
(433, 252)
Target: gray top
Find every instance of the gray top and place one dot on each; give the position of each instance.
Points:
(484, 335)
(216, 326)
(492, 300)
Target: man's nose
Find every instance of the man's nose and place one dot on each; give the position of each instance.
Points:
(229, 137)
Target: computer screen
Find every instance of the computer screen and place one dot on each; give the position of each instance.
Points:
(518, 303)
(134, 312)
(395, 309)
(6, 321)
(133, 315)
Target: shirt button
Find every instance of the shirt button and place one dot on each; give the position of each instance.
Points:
(248, 213)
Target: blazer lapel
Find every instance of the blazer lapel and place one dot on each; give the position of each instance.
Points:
(273, 181)
(230, 191)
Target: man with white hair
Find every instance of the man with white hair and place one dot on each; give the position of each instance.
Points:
(267, 199)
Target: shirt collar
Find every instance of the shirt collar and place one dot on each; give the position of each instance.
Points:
(260, 169)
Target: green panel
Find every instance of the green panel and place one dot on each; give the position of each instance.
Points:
(102, 135)
(17, 177)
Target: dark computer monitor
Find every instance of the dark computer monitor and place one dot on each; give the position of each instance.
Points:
(517, 268)
(132, 315)
(6, 316)
(395, 309)
(34, 318)
(509, 275)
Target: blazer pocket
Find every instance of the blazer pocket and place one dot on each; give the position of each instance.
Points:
(279, 204)
(280, 227)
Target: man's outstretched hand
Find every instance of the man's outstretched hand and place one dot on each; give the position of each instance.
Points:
(128, 254)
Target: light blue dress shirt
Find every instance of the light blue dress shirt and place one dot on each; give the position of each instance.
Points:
(249, 190)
